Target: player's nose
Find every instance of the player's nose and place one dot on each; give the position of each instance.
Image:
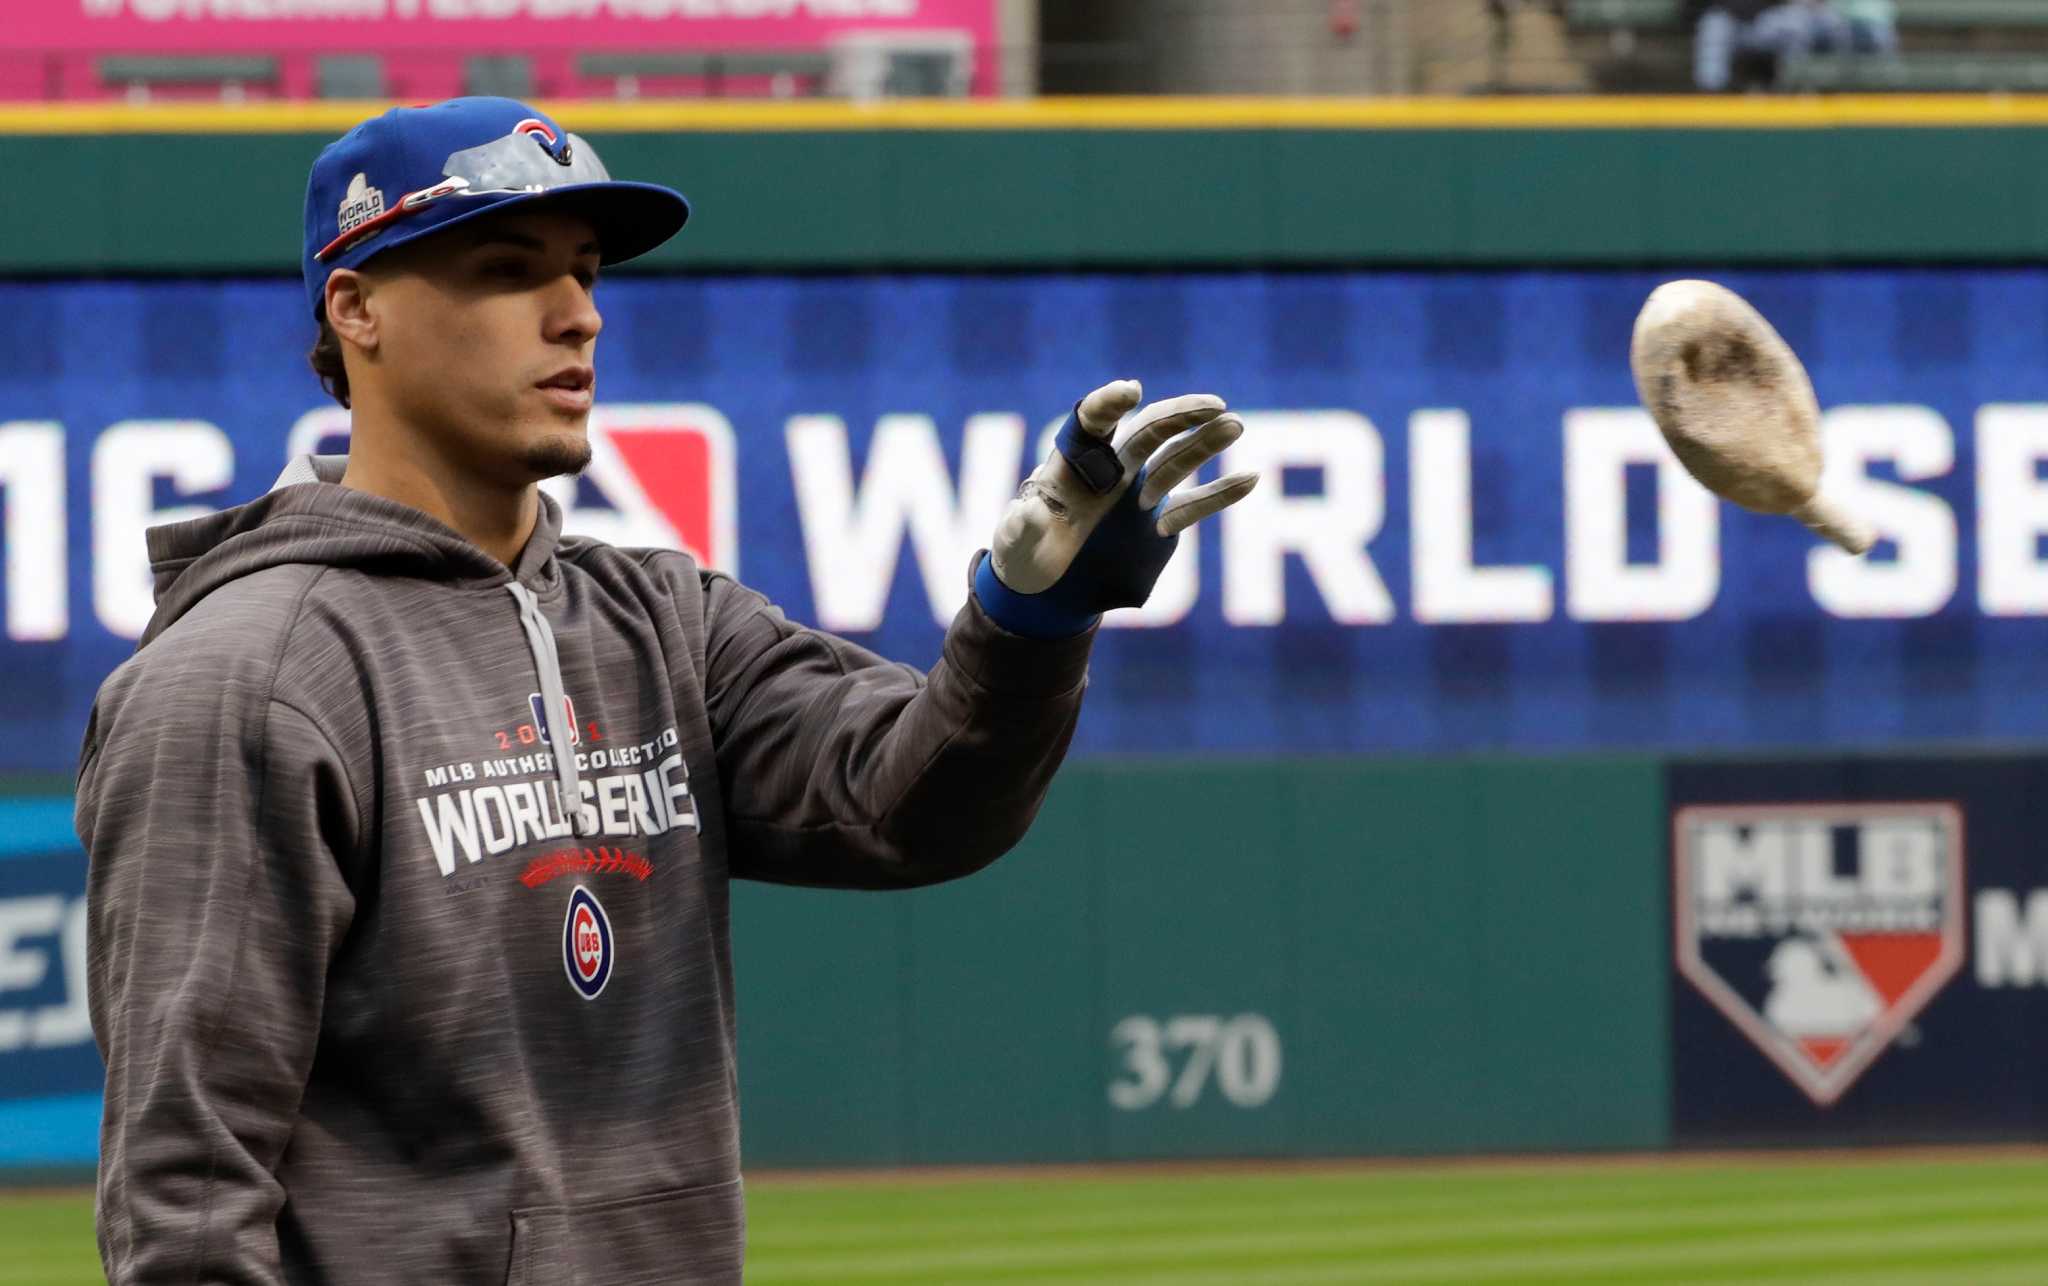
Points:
(572, 315)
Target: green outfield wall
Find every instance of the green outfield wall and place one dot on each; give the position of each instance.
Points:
(1438, 955)
(1169, 183)
(1184, 958)
(1197, 958)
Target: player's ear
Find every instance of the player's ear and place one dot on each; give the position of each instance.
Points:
(348, 308)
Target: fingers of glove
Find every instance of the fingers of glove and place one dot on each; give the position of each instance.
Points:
(1100, 410)
(1180, 458)
(1185, 511)
(1162, 420)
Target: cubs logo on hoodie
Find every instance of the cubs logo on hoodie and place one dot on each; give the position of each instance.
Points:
(588, 948)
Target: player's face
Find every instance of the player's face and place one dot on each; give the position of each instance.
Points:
(489, 343)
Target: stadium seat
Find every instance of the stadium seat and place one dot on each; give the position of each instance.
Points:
(1972, 13)
(806, 66)
(870, 65)
(924, 73)
(1911, 13)
(498, 75)
(232, 73)
(1933, 73)
(349, 76)
(1623, 13)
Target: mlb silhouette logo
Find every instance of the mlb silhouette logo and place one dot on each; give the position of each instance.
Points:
(1819, 930)
(539, 707)
(662, 474)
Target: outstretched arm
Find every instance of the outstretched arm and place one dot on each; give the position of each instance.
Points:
(842, 769)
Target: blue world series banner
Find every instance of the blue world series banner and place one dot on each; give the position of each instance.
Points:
(1468, 537)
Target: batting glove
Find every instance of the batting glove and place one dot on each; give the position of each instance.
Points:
(1093, 526)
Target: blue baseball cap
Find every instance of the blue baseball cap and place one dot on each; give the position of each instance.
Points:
(415, 170)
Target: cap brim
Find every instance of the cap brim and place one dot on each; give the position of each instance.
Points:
(631, 218)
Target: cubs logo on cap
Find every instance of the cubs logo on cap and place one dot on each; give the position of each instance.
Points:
(588, 951)
(415, 170)
(540, 129)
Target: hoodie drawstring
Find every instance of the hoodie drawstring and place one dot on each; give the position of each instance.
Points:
(540, 640)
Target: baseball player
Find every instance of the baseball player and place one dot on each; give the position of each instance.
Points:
(411, 820)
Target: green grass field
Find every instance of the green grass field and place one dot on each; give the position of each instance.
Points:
(1918, 1220)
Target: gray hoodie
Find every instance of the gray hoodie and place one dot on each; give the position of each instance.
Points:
(377, 1007)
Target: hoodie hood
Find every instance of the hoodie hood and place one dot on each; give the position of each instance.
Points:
(305, 518)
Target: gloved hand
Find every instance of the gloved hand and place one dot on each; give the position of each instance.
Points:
(1093, 526)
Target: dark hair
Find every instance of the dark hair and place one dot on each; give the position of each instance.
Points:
(325, 358)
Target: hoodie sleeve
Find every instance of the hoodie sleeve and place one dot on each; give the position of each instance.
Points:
(841, 769)
(216, 820)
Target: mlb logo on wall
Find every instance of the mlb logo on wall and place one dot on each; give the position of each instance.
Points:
(1819, 930)
(663, 475)
(588, 951)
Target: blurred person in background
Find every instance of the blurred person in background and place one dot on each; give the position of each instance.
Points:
(1724, 30)
(1873, 25)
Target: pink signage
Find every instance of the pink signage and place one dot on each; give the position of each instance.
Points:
(58, 49)
(472, 26)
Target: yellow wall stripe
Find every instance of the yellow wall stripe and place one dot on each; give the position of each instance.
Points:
(1742, 112)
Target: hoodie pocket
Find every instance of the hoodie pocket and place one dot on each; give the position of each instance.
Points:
(683, 1235)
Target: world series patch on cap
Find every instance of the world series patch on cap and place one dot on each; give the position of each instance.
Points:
(415, 170)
